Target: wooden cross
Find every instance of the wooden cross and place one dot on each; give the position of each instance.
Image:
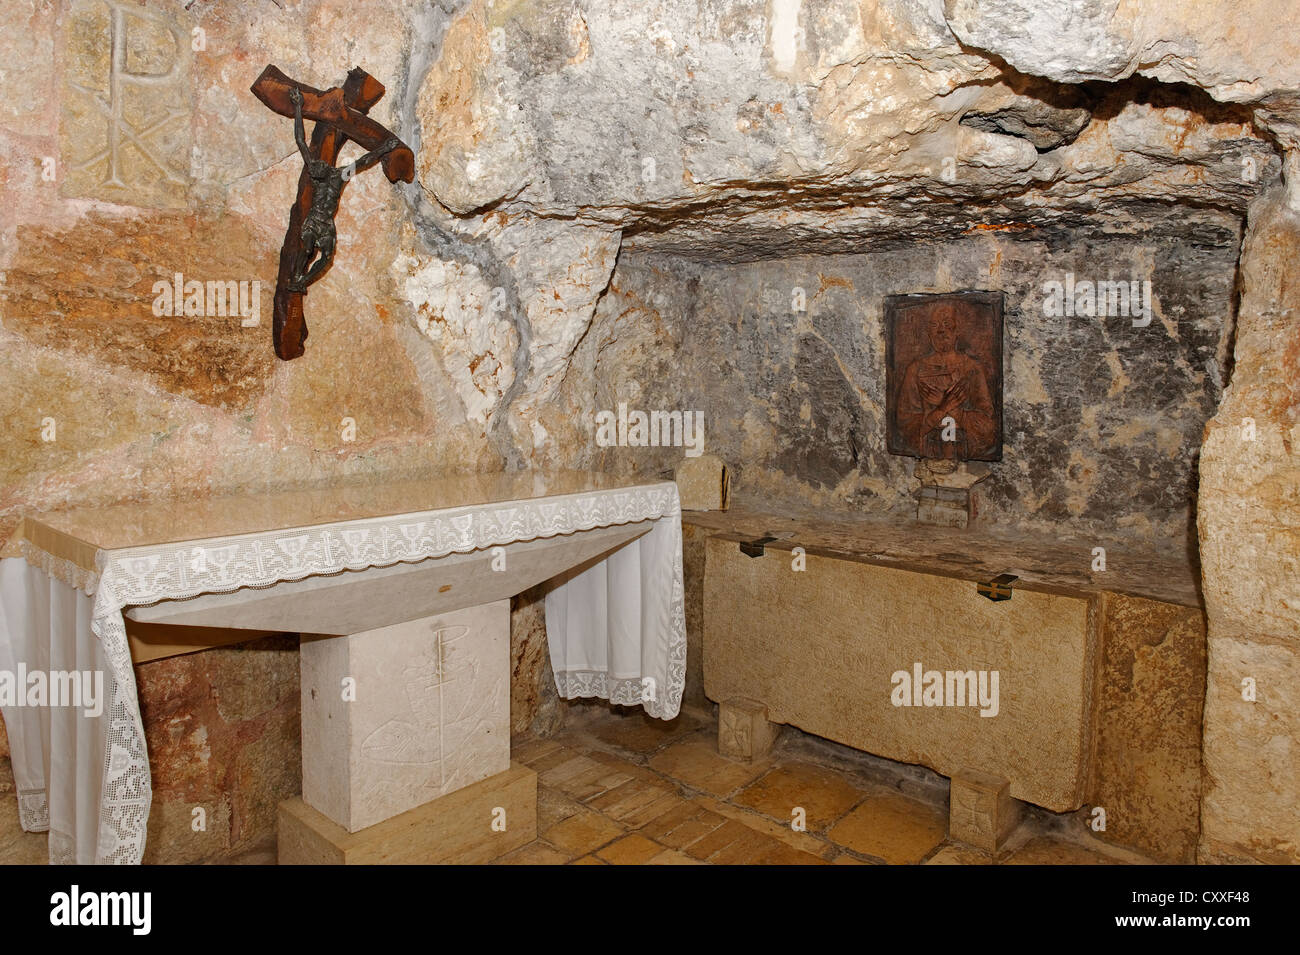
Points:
(339, 114)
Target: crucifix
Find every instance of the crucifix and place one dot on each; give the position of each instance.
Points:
(339, 114)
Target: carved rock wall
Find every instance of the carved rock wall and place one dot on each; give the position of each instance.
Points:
(1249, 517)
(785, 361)
(465, 320)
(1147, 737)
(1247, 506)
(224, 744)
(116, 174)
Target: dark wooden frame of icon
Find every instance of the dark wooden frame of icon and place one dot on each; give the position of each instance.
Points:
(985, 346)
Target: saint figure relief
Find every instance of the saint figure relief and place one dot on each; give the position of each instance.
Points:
(946, 383)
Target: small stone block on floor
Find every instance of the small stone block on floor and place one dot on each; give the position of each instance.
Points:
(982, 811)
(744, 731)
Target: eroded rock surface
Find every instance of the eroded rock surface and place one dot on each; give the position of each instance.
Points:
(1249, 522)
(478, 318)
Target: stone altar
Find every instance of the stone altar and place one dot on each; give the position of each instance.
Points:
(401, 593)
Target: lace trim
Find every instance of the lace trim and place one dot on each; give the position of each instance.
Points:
(165, 572)
(668, 706)
(63, 849)
(587, 683)
(60, 569)
(147, 575)
(33, 810)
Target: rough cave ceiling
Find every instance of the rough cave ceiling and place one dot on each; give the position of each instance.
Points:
(691, 129)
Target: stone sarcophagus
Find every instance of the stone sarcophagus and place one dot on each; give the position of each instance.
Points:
(908, 665)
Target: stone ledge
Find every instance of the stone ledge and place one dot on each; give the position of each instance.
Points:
(969, 554)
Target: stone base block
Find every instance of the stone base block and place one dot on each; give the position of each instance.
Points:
(473, 825)
(744, 731)
(946, 506)
(982, 811)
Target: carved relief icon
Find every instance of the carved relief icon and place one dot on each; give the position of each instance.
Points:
(943, 372)
(309, 243)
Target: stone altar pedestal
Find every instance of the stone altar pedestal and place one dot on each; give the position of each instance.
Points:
(395, 717)
(406, 746)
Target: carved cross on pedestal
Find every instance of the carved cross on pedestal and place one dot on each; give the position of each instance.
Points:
(339, 114)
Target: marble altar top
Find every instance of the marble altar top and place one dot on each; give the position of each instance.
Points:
(78, 534)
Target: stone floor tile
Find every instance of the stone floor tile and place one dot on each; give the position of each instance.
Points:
(536, 852)
(564, 770)
(899, 830)
(584, 777)
(781, 854)
(824, 795)
(959, 855)
(553, 806)
(803, 841)
(583, 832)
(1046, 850)
(529, 750)
(673, 857)
(732, 843)
(652, 810)
(633, 849)
(550, 758)
(697, 764)
(635, 802)
(625, 766)
(638, 733)
(683, 825)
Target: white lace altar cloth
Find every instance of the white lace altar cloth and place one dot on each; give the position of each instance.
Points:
(619, 632)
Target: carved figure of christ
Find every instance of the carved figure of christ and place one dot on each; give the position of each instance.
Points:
(319, 236)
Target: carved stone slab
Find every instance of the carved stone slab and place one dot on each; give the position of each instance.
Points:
(125, 131)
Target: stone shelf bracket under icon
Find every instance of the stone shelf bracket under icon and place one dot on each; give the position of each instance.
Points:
(339, 114)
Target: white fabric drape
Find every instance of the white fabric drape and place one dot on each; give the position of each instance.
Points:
(611, 628)
(58, 751)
